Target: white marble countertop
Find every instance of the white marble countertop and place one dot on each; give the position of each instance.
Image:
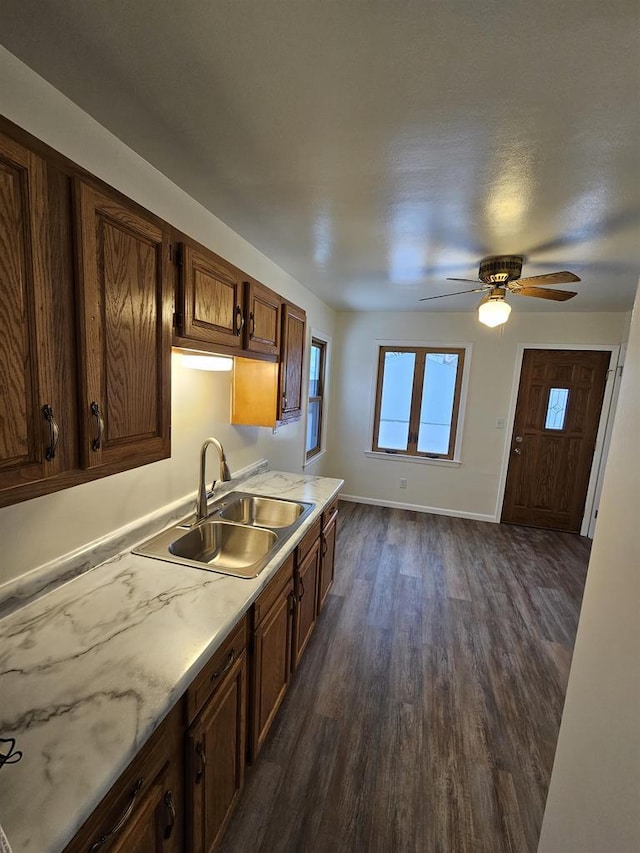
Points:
(89, 670)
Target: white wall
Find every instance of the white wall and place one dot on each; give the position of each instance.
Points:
(473, 487)
(594, 796)
(40, 530)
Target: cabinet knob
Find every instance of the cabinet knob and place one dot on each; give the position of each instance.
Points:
(203, 761)
(230, 659)
(239, 321)
(97, 414)
(115, 829)
(171, 814)
(54, 433)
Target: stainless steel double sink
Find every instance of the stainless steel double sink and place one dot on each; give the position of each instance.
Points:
(238, 537)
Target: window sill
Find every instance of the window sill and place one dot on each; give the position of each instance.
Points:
(422, 460)
(309, 462)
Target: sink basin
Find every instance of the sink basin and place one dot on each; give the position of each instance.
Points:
(233, 547)
(263, 512)
(239, 537)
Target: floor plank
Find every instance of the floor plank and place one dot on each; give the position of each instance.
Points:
(425, 714)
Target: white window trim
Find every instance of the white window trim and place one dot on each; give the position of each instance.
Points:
(467, 346)
(327, 341)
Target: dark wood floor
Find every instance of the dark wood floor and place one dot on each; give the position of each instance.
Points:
(425, 714)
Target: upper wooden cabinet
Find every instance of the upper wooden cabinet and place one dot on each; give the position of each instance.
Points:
(220, 309)
(37, 410)
(263, 394)
(263, 319)
(124, 332)
(291, 363)
(210, 299)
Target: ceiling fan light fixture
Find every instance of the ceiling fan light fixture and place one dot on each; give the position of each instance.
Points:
(495, 311)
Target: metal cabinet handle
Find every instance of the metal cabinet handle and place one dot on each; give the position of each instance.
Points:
(203, 761)
(171, 814)
(252, 324)
(54, 433)
(301, 596)
(226, 667)
(325, 547)
(97, 414)
(239, 319)
(121, 821)
(292, 601)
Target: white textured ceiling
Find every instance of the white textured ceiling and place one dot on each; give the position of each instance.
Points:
(374, 147)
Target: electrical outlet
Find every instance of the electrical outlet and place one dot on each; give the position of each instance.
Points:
(403, 483)
(500, 423)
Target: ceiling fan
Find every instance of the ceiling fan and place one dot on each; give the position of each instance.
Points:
(501, 273)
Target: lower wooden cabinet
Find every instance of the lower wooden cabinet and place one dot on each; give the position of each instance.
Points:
(216, 747)
(273, 614)
(179, 793)
(143, 812)
(306, 592)
(327, 553)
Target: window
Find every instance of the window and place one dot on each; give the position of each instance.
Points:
(418, 401)
(556, 408)
(316, 393)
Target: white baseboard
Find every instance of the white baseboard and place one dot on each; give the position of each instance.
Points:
(433, 510)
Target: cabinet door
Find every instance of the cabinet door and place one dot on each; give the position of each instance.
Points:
(31, 342)
(263, 319)
(216, 745)
(306, 590)
(211, 297)
(125, 333)
(291, 363)
(271, 665)
(328, 556)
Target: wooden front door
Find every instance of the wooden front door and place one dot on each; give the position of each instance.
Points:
(556, 422)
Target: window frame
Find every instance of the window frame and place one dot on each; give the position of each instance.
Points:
(421, 351)
(318, 448)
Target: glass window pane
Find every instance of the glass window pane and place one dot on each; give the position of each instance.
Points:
(438, 394)
(314, 370)
(557, 408)
(395, 405)
(313, 426)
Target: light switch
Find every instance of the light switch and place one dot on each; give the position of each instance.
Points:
(500, 423)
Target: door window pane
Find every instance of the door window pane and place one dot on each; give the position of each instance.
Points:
(557, 408)
(438, 395)
(395, 406)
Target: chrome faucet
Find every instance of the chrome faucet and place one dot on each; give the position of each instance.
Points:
(225, 476)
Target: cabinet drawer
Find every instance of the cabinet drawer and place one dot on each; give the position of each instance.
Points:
(212, 674)
(330, 511)
(267, 597)
(306, 543)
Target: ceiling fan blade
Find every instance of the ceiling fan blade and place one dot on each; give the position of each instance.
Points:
(541, 293)
(457, 293)
(563, 277)
(471, 280)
